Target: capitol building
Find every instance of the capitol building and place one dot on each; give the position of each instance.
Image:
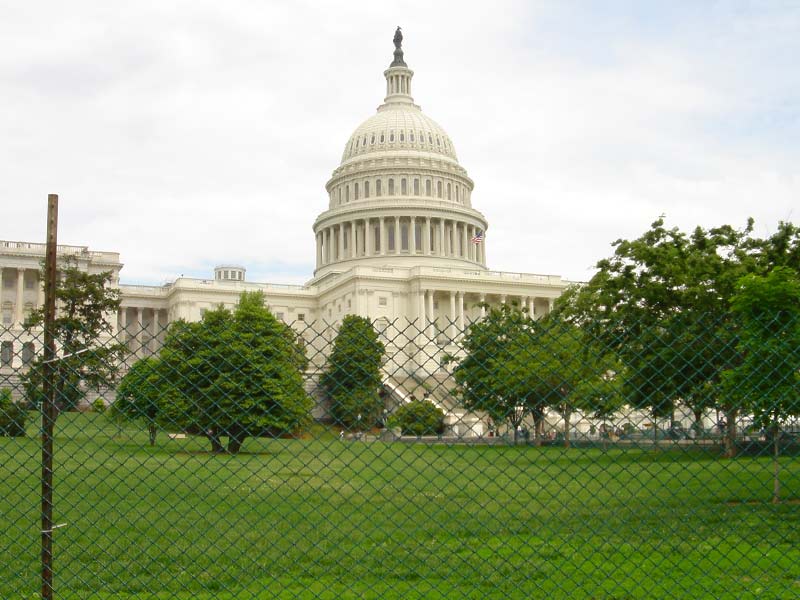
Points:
(400, 243)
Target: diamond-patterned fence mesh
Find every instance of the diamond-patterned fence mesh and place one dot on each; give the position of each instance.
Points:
(242, 457)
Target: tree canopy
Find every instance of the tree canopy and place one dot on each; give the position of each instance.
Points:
(88, 356)
(353, 375)
(234, 374)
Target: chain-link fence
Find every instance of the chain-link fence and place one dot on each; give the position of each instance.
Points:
(241, 457)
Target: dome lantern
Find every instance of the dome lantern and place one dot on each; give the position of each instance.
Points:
(398, 75)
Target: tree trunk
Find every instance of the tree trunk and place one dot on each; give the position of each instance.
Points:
(730, 432)
(698, 422)
(235, 443)
(776, 467)
(216, 443)
(538, 429)
(151, 430)
(567, 414)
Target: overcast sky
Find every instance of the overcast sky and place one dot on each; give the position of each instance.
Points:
(185, 134)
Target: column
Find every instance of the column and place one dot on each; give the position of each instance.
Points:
(442, 245)
(319, 249)
(452, 325)
(532, 307)
(353, 253)
(412, 236)
(383, 237)
(156, 331)
(549, 305)
(356, 239)
(340, 250)
(431, 328)
(369, 238)
(397, 235)
(426, 237)
(137, 343)
(483, 308)
(40, 292)
(19, 314)
(464, 240)
(461, 312)
(421, 307)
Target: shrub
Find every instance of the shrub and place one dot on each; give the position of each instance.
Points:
(12, 416)
(418, 417)
(99, 405)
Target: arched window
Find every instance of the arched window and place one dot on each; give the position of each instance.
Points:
(6, 354)
(416, 187)
(403, 186)
(428, 191)
(365, 139)
(438, 141)
(355, 191)
(391, 136)
(411, 136)
(377, 187)
(382, 138)
(340, 194)
(347, 193)
(421, 138)
(372, 139)
(391, 187)
(448, 191)
(430, 139)
(438, 189)
(366, 189)
(457, 200)
(402, 136)
(28, 352)
(404, 237)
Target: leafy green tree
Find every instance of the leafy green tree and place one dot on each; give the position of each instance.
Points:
(660, 304)
(353, 375)
(233, 374)
(498, 373)
(88, 357)
(138, 394)
(767, 379)
(418, 417)
(12, 416)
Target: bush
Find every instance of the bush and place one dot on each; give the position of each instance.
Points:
(99, 405)
(418, 417)
(12, 416)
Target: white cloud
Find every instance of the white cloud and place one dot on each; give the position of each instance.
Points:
(192, 133)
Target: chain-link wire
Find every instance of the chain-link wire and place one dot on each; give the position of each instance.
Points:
(241, 457)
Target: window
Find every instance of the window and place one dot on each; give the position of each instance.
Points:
(30, 284)
(438, 189)
(349, 304)
(6, 354)
(411, 136)
(421, 138)
(279, 315)
(377, 187)
(372, 139)
(365, 140)
(340, 195)
(382, 301)
(355, 191)
(457, 200)
(416, 187)
(428, 187)
(391, 136)
(28, 352)
(402, 136)
(449, 192)
(366, 189)
(301, 316)
(382, 138)
(430, 139)
(403, 237)
(8, 282)
(403, 187)
(391, 187)
(438, 141)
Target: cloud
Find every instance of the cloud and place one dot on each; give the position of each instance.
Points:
(189, 134)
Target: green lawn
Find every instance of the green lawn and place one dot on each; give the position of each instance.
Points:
(334, 519)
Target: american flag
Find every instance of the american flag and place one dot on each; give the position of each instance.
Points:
(477, 238)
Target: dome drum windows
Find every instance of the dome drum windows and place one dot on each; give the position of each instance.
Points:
(403, 187)
(438, 189)
(366, 189)
(355, 191)
(378, 187)
(428, 190)
(416, 187)
(391, 187)
(391, 136)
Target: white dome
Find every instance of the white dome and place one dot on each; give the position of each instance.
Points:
(399, 127)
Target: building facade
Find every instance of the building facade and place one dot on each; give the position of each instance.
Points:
(400, 243)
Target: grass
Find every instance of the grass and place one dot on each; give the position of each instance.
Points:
(326, 518)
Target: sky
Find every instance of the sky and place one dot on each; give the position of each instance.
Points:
(191, 133)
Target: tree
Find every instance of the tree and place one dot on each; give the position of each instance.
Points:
(12, 416)
(767, 379)
(87, 355)
(138, 394)
(660, 303)
(353, 375)
(498, 372)
(418, 417)
(233, 374)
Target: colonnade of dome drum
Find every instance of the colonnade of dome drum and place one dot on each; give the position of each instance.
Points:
(399, 236)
